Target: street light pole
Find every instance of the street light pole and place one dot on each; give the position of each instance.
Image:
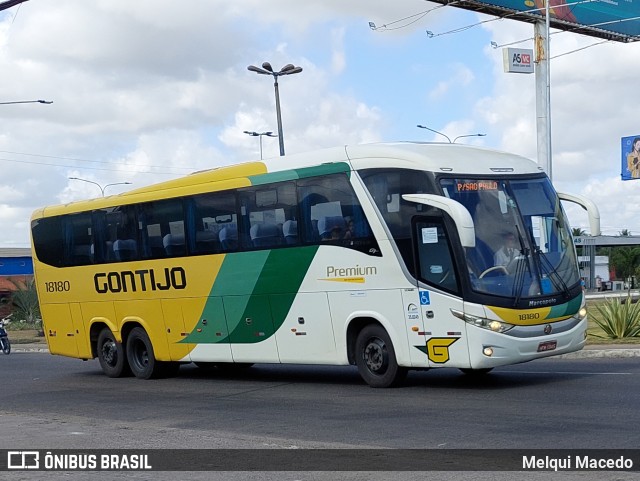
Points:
(435, 131)
(102, 188)
(260, 135)
(447, 137)
(267, 69)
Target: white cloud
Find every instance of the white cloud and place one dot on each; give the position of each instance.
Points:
(460, 76)
(151, 89)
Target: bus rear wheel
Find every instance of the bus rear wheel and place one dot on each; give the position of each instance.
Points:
(142, 361)
(376, 358)
(111, 355)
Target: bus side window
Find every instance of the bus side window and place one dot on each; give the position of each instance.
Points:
(330, 212)
(162, 229)
(213, 218)
(435, 260)
(265, 209)
(78, 238)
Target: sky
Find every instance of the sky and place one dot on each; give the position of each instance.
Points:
(150, 90)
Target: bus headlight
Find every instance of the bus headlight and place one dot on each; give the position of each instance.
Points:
(489, 324)
(582, 313)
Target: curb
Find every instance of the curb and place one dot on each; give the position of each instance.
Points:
(28, 348)
(601, 353)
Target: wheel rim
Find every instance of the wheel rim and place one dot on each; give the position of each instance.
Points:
(375, 356)
(110, 352)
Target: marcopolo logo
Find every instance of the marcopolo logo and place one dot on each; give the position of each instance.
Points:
(140, 280)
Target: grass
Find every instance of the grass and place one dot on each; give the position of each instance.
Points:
(593, 330)
(25, 336)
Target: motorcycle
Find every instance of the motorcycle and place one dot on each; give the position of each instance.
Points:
(5, 345)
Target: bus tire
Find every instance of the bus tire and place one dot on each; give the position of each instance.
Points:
(376, 358)
(111, 355)
(142, 361)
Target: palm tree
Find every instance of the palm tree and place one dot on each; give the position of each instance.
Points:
(578, 232)
(25, 302)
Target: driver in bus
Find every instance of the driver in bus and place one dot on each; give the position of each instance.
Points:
(507, 252)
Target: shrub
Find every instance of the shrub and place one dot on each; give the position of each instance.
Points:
(26, 309)
(618, 319)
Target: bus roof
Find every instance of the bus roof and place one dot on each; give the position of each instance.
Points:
(437, 157)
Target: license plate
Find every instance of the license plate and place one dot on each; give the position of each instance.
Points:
(547, 346)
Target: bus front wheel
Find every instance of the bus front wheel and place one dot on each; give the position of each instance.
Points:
(111, 355)
(376, 358)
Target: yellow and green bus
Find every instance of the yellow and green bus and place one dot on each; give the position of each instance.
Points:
(382, 256)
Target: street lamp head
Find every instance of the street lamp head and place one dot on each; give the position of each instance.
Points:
(468, 135)
(267, 66)
(45, 101)
(434, 131)
(253, 134)
(259, 70)
(290, 71)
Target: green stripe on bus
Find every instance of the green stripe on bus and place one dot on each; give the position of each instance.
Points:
(253, 294)
(324, 169)
(566, 309)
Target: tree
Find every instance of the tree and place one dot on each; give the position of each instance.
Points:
(578, 232)
(25, 302)
(624, 233)
(625, 261)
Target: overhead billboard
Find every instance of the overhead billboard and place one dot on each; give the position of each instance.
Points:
(630, 162)
(609, 19)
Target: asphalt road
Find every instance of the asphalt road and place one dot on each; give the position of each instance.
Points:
(50, 402)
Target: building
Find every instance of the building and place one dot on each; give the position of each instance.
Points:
(16, 267)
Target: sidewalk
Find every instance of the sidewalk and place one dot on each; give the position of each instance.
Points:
(590, 351)
(605, 350)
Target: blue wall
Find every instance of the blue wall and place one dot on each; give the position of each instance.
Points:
(16, 266)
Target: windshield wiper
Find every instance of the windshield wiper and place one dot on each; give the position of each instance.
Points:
(521, 267)
(552, 273)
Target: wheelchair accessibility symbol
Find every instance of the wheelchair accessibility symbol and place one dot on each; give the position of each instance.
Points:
(425, 300)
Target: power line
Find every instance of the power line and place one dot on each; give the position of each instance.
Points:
(185, 169)
(86, 168)
(420, 15)
(581, 48)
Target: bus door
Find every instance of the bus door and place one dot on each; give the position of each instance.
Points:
(415, 327)
(439, 294)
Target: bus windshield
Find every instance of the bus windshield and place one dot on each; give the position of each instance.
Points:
(523, 243)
